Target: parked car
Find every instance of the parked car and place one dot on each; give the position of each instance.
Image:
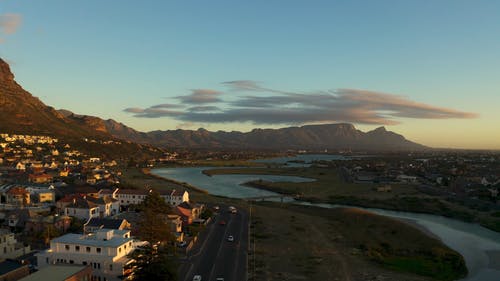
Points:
(197, 278)
(219, 279)
(230, 238)
(182, 244)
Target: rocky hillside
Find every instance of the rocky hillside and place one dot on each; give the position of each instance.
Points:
(22, 113)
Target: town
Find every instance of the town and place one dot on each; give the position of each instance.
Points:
(68, 214)
(62, 207)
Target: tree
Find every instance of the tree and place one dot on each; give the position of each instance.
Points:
(152, 263)
(153, 226)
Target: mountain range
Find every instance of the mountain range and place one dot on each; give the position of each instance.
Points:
(22, 113)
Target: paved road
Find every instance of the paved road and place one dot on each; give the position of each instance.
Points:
(213, 256)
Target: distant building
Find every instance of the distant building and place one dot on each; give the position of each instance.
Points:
(9, 247)
(189, 212)
(82, 208)
(128, 197)
(17, 196)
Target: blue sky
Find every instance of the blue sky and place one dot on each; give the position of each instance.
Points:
(426, 69)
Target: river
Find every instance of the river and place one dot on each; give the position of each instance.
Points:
(479, 246)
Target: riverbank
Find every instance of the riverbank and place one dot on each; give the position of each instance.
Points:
(329, 188)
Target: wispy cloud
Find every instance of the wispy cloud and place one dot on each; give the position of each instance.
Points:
(203, 108)
(167, 105)
(201, 96)
(152, 112)
(9, 23)
(282, 107)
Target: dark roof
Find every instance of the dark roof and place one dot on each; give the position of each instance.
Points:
(105, 223)
(133, 191)
(9, 265)
(81, 203)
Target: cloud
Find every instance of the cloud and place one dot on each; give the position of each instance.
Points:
(167, 105)
(281, 107)
(201, 96)
(152, 112)
(9, 23)
(203, 108)
(243, 85)
(249, 85)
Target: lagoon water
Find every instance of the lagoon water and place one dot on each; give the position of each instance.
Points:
(479, 246)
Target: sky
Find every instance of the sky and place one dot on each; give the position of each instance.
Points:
(428, 70)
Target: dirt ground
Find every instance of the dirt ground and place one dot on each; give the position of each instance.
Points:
(298, 244)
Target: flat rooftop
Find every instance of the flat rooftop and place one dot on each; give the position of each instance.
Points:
(54, 273)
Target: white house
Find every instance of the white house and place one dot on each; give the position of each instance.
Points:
(82, 208)
(105, 251)
(176, 197)
(128, 197)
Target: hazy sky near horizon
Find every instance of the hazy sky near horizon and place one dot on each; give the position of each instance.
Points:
(429, 70)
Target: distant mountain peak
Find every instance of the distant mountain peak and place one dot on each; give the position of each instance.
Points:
(380, 129)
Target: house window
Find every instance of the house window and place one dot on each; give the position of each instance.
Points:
(111, 267)
(98, 250)
(71, 262)
(88, 249)
(119, 250)
(84, 263)
(47, 260)
(77, 248)
(66, 247)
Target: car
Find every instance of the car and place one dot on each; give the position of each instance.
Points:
(222, 222)
(216, 208)
(197, 278)
(182, 244)
(230, 238)
(219, 279)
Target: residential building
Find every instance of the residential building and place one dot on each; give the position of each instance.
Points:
(128, 197)
(107, 206)
(40, 178)
(82, 208)
(37, 224)
(189, 212)
(105, 251)
(176, 197)
(9, 247)
(17, 196)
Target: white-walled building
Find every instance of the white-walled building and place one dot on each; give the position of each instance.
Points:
(128, 197)
(105, 251)
(82, 208)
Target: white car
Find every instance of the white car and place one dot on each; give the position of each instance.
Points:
(197, 278)
(230, 238)
(219, 279)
